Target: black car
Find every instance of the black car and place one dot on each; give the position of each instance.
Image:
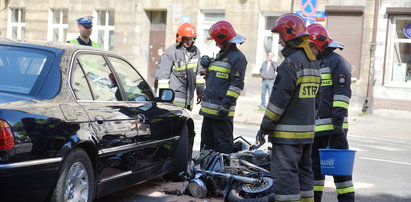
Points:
(77, 123)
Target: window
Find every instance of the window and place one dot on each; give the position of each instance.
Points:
(57, 29)
(20, 68)
(16, 23)
(97, 72)
(79, 83)
(205, 43)
(104, 29)
(398, 64)
(134, 85)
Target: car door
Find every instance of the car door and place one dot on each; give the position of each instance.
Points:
(96, 90)
(154, 124)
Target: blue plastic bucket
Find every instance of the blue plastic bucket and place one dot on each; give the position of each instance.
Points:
(337, 161)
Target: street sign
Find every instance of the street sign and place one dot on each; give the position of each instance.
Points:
(407, 30)
(308, 7)
(318, 16)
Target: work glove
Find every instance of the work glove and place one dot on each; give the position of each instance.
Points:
(338, 130)
(199, 98)
(260, 137)
(223, 112)
(205, 61)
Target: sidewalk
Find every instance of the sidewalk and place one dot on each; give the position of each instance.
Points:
(394, 124)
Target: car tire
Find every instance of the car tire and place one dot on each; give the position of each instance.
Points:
(76, 178)
(180, 157)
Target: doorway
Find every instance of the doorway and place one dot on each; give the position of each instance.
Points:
(158, 21)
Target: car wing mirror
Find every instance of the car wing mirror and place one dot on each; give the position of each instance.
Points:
(165, 95)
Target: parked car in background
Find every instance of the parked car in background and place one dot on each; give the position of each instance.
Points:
(77, 123)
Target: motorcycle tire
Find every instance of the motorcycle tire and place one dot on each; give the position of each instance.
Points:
(234, 195)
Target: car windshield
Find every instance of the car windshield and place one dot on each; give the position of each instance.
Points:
(20, 68)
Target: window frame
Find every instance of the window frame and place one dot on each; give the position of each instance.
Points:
(20, 25)
(60, 26)
(389, 53)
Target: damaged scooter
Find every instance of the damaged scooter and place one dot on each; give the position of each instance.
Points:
(240, 176)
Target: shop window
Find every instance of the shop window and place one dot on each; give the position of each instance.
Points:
(398, 63)
(57, 29)
(16, 23)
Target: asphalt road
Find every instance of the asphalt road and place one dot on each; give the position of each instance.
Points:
(382, 172)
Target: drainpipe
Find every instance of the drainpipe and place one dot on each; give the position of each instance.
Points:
(369, 100)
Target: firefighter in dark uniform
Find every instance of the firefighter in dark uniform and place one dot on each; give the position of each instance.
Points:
(85, 28)
(289, 119)
(224, 81)
(332, 119)
(180, 70)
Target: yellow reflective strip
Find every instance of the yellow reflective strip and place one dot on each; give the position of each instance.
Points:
(179, 104)
(327, 82)
(308, 79)
(328, 127)
(232, 94)
(219, 69)
(163, 85)
(345, 190)
(214, 112)
(310, 199)
(325, 76)
(308, 90)
(318, 188)
(292, 135)
(200, 80)
(221, 75)
(340, 104)
(272, 115)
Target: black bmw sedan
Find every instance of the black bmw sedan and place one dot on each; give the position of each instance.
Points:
(77, 123)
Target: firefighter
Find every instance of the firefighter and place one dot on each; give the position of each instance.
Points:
(332, 119)
(180, 70)
(85, 28)
(289, 119)
(224, 81)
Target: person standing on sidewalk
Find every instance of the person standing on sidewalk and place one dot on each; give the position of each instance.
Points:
(267, 72)
(289, 119)
(85, 28)
(224, 81)
(179, 68)
(332, 119)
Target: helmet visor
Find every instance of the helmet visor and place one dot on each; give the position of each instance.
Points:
(238, 39)
(336, 44)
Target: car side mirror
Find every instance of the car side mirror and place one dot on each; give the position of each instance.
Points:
(166, 95)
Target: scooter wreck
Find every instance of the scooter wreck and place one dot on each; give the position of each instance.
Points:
(240, 176)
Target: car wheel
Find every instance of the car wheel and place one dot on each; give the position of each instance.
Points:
(76, 179)
(180, 157)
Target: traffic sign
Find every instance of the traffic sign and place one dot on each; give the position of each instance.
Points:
(308, 7)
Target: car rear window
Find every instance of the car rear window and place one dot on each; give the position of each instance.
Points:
(21, 68)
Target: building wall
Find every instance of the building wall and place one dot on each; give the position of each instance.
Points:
(132, 28)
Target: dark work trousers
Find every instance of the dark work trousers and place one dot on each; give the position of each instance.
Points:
(344, 184)
(291, 171)
(217, 134)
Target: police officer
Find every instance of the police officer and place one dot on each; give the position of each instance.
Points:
(224, 81)
(289, 118)
(85, 28)
(332, 119)
(179, 68)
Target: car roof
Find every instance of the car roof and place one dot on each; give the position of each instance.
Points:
(48, 45)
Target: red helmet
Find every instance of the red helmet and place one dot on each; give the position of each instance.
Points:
(290, 26)
(222, 32)
(185, 30)
(320, 37)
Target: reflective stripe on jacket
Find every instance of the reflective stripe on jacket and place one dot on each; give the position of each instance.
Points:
(224, 81)
(290, 115)
(180, 70)
(93, 44)
(336, 94)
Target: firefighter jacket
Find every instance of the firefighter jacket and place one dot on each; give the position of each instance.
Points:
(224, 81)
(290, 114)
(180, 70)
(336, 93)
